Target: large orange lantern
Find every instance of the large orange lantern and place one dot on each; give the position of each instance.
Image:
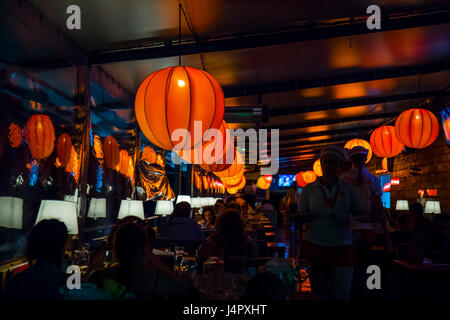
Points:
(416, 128)
(236, 168)
(15, 135)
(149, 155)
(174, 98)
(111, 152)
(384, 143)
(362, 143)
(299, 178)
(317, 168)
(64, 148)
(309, 176)
(40, 136)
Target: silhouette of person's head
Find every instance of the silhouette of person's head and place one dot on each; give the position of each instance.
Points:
(182, 209)
(230, 224)
(416, 209)
(265, 286)
(130, 243)
(47, 241)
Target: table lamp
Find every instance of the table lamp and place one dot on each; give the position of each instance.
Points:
(164, 207)
(432, 206)
(184, 198)
(97, 208)
(11, 212)
(131, 208)
(64, 211)
(402, 205)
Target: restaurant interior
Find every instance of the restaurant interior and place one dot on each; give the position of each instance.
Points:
(92, 93)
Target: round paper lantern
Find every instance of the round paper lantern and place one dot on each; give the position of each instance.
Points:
(111, 152)
(317, 168)
(232, 180)
(232, 190)
(309, 176)
(447, 129)
(384, 143)
(416, 128)
(40, 136)
(362, 143)
(299, 178)
(268, 178)
(239, 185)
(149, 155)
(262, 184)
(64, 148)
(15, 135)
(174, 98)
(236, 168)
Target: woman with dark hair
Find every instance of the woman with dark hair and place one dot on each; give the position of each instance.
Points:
(229, 239)
(45, 251)
(209, 217)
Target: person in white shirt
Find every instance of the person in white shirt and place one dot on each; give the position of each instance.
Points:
(329, 203)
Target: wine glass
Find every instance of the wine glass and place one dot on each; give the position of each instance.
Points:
(188, 267)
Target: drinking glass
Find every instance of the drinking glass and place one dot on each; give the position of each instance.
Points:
(188, 267)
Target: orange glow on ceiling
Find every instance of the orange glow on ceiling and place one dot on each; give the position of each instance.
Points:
(312, 92)
(342, 55)
(346, 91)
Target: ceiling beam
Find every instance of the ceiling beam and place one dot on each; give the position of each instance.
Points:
(347, 103)
(328, 132)
(362, 76)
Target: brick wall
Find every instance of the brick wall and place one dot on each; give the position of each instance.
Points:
(434, 161)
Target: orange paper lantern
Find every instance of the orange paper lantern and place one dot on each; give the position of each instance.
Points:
(15, 135)
(362, 143)
(309, 176)
(149, 155)
(299, 178)
(124, 161)
(40, 136)
(232, 190)
(111, 152)
(416, 128)
(236, 168)
(384, 142)
(447, 129)
(268, 178)
(317, 168)
(262, 184)
(173, 98)
(64, 148)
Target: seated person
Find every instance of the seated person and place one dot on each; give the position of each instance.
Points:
(45, 251)
(269, 211)
(441, 239)
(265, 286)
(181, 226)
(209, 218)
(405, 233)
(133, 277)
(422, 224)
(229, 240)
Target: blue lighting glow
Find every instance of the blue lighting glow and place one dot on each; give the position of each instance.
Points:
(34, 173)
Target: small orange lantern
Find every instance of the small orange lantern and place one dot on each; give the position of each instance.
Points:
(111, 152)
(262, 184)
(64, 148)
(268, 178)
(174, 98)
(40, 136)
(362, 143)
(299, 178)
(416, 128)
(309, 176)
(15, 135)
(317, 168)
(385, 143)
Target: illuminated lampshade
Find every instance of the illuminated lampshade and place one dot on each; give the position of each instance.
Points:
(196, 202)
(131, 208)
(317, 168)
(40, 136)
(432, 206)
(11, 210)
(204, 201)
(362, 143)
(402, 205)
(174, 98)
(185, 198)
(64, 211)
(97, 208)
(164, 207)
(211, 201)
(384, 142)
(416, 128)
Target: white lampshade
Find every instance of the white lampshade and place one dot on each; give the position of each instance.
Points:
(164, 207)
(204, 202)
(432, 206)
(64, 211)
(196, 202)
(211, 201)
(184, 198)
(11, 211)
(131, 208)
(97, 208)
(402, 205)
